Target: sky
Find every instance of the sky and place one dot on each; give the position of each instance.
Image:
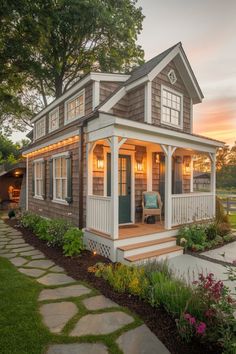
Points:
(207, 30)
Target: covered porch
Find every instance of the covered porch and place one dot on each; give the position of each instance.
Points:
(121, 168)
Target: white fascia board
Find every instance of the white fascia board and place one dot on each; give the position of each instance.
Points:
(113, 100)
(138, 82)
(53, 141)
(68, 93)
(105, 119)
(109, 77)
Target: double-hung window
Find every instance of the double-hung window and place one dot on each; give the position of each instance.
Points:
(54, 120)
(40, 128)
(60, 178)
(74, 108)
(171, 110)
(38, 178)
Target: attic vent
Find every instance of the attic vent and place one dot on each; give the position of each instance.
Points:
(172, 77)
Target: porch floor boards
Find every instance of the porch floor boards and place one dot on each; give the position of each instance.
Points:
(140, 229)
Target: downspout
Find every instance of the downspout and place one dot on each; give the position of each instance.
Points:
(81, 174)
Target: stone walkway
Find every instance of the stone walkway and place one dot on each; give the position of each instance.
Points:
(226, 253)
(63, 299)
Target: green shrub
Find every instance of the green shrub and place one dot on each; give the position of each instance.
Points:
(11, 214)
(157, 266)
(41, 229)
(73, 242)
(211, 231)
(30, 220)
(56, 231)
(228, 238)
(192, 235)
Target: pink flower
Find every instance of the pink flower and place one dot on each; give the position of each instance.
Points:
(190, 318)
(201, 328)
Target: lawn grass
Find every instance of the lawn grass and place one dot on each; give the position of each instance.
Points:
(21, 328)
(232, 219)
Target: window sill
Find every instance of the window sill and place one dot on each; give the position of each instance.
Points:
(38, 197)
(59, 201)
(172, 125)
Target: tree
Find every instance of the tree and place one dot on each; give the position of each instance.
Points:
(46, 45)
(11, 152)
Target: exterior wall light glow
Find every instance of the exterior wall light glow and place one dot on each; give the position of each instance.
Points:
(157, 158)
(187, 168)
(100, 163)
(139, 166)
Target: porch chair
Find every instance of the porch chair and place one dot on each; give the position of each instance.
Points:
(152, 204)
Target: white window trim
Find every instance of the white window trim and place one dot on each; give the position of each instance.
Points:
(35, 128)
(167, 88)
(56, 200)
(37, 196)
(49, 118)
(80, 93)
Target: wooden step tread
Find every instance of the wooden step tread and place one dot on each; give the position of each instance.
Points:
(151, 254)
(147, 243)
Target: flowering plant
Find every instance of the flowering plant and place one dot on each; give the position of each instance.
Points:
(189, 326)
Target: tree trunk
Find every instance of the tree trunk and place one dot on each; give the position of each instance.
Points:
(58, 86)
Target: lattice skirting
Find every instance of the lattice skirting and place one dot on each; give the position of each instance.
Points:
(99, 247)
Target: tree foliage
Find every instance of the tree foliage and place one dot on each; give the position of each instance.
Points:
(10, 152)
(226, 167)
(46, 45)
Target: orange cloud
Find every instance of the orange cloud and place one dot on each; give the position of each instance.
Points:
(217, 119)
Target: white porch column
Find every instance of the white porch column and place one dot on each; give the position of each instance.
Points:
(213, 180)
(114, 143)
(168, 150)
(149, 169)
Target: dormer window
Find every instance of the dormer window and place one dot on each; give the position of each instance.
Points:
(171, 107)
(40, 128)
(74, 108)
(54, 120)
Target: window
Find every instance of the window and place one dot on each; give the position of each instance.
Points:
(38, 173)
(60, 179)
(171, 108)
(74, 108)
(40, 128)
(54, 120)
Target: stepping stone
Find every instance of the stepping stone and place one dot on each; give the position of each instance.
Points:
(2, 251)
(9, 255)
(16, 242)
(18, 261)
(102, 323)
(44, 264)
(82, 348)
(64, 292)
(30, 253)
(141, 341)
(37, 256)
(28, 248)
(55, 279)
(34, 273)
(14, 246)
(98, 302)
(57, 269)
(56, 315)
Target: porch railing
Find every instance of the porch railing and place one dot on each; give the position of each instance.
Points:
(187, 208)
(99, 214)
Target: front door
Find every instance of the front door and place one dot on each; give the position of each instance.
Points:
(124, 186)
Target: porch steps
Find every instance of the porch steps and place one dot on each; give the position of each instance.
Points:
(159, 254)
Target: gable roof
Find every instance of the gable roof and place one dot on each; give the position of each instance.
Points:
(147, 67)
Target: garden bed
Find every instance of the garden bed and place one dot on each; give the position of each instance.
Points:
(157, 319)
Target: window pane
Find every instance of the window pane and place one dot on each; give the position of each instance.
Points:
(63, 167)
(64, 189)
(75, 108)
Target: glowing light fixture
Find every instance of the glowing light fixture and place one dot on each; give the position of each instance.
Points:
(139, 166)
(100, 163)
(187, 168)
(157, 158)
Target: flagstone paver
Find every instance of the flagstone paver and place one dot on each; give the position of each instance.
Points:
(32, 272)
(57, 269)
(81, 348)
(44, 264)
(98, 302)
(52, 279)
(18, 261)
(64, 292)
(102, 323)
(56, 315)
(141, 341)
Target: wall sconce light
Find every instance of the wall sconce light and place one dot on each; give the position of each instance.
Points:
(187, 168)
(17, 173)
(139, 166)
(100, 163)
(157, 158)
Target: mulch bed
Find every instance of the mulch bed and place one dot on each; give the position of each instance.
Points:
(157, 319)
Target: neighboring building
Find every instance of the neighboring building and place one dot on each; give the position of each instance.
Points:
(12, 185)
(202, 181)
(108, 139)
